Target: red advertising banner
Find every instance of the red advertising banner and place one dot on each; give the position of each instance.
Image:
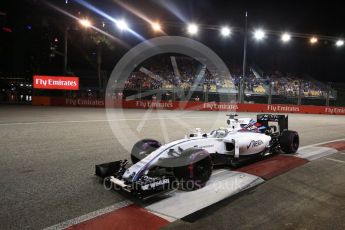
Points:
(223, 106)
(56, 82)
(189, 105)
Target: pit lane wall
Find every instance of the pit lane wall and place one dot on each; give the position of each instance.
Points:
(181, 105)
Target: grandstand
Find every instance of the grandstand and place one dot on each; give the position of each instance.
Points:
(176, 75)
(172, 72)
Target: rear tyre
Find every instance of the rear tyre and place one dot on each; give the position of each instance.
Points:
(143, 148)
(196, 171)
(289, 141)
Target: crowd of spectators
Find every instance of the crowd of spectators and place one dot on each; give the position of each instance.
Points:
(159, 73)
(292, 85)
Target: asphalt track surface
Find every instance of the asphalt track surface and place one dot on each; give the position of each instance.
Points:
(48, 156)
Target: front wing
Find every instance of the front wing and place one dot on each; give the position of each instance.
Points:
(146, 186)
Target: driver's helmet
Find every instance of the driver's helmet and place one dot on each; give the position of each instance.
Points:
(220, 133)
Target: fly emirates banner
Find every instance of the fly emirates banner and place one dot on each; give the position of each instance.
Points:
(56, 82)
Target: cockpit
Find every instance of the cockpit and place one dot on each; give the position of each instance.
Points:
(219, 133)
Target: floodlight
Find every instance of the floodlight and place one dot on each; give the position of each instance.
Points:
(259, 34)
(225, 31)
(192, 29)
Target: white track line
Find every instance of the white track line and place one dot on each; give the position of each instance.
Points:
(335, 160)
(321, 143)
(88, 121)
(90, 215)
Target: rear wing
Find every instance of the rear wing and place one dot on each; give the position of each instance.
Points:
(282, 120)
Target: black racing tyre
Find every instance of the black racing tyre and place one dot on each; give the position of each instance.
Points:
(107, 169)
(143, 148)
(289, 141)
(197, 170)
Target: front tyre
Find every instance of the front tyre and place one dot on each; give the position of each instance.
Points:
(196, 171)
(289, 141)
(143, 148)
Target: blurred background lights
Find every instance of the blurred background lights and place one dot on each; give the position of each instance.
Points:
(85, 22)
(192, 29)
(225, 31)
(286, 37)
(156, 26)
(313, 40)
(339, 43)
(122, 24)
(259, 34)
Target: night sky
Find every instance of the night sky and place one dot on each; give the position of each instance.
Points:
(35, 25)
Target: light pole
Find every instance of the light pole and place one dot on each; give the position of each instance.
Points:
(99, 64)
(83, 22)
(241, 90)
(65, 51)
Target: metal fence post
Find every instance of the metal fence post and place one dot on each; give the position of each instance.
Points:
(328, 94)
(270, 93)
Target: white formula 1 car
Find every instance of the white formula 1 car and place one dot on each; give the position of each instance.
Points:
(187, 163)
